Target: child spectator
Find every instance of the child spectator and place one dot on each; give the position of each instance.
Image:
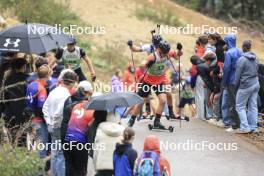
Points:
(125, 155)
(151, 162)
(187, 97)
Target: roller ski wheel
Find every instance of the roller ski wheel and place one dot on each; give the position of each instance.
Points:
(159, 126)
(186, 118)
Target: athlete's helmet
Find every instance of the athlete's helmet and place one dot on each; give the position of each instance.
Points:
(164, 47)
(156, 40)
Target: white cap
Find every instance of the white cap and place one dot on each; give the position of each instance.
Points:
(87, 86)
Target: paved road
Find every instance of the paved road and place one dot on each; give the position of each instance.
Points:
(247, 160)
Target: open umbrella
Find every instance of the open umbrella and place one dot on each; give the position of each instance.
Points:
(113, 100)
(32, 38)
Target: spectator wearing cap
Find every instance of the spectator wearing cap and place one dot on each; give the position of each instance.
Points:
(74, 127)
(248, 86)
(53, 115)
(14, 102)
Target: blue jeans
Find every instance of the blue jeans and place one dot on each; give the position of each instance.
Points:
(247, 108)
(42, 136)
(57, 157)
(225, 108)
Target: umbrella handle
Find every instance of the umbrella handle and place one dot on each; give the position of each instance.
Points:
(123, 113)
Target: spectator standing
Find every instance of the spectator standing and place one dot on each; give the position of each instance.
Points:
(248, 87)
(231, 57)
(53, 114)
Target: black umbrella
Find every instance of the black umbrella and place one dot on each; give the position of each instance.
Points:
(111, 101)
(32, 38)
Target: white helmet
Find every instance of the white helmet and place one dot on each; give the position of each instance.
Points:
(87, 86)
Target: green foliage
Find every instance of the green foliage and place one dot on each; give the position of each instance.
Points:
(193, 4)
(6, 4)
(19, 161)
(252, 10)
(161, 16)
(44, 11)
(85, 44)
(111, 57)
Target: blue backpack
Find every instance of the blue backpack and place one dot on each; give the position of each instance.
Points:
(148, 164)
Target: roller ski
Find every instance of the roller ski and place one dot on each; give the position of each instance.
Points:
(173, 117)
(158, 126)
(145, 116)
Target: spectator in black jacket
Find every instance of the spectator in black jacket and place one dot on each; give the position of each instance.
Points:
(84, 92)
(202, 77)
(14, 101)
(219, 44)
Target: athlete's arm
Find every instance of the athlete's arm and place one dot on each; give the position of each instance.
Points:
(136, 48)
(132, 47)
(89, 64)
(90, 67)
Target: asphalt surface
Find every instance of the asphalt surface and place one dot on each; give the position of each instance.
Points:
(201, 149)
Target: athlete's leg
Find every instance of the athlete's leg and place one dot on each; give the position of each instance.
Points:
(162, 98)
(144, 92)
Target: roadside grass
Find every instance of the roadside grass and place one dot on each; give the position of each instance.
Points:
(160, 15)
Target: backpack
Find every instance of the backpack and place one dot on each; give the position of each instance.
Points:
(148, 164)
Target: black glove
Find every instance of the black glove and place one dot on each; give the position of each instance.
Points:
(93, 77)
(150, 63)
(179, 46)
(130, 43)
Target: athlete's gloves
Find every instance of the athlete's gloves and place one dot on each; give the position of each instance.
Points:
(130, 43)
(93, 77)
(179, 46)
